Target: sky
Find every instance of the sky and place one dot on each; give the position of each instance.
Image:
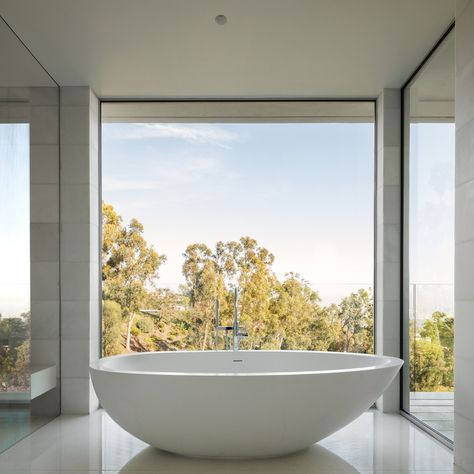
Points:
(431, 224)
(304, 191)
(14, 219)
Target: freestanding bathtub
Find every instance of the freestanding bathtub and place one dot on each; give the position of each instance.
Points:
(238, 404)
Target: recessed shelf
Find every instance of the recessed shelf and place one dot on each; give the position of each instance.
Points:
(43, 379)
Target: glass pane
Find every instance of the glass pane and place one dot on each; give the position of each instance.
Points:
(283, 211)
(14, 283)
(430, 284)
(29, 313)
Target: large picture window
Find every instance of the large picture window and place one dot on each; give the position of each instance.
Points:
(429, 238)
(275, 199)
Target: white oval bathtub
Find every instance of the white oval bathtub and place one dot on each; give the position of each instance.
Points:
(238, 404)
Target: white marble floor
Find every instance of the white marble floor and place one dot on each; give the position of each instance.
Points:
(17, 423)
(374, 443)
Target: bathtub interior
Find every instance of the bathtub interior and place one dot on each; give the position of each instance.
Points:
(242, 362)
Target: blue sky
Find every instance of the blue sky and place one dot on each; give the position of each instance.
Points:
(431, 225)
(14, 219)
(304, 191)
(432, 202)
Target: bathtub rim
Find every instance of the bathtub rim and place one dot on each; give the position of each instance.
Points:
(386, 362)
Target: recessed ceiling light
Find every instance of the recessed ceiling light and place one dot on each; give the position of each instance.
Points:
(221, 19)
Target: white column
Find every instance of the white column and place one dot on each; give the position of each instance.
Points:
(80, 267)
(388, 237)
(44, 239)
(464, 239)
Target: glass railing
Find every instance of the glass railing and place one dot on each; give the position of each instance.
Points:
(431, 354)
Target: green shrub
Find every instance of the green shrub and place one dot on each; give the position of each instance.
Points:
(145, 324)
(432, 354)
(134, 331)
(111, 321)
(427, 365)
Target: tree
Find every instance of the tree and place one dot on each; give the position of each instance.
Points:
(21, 370)
(200, 272)
(355, 315)
(13, 331)
(171, 327)
(212, 275)
(256, 282)
(111, 322)
(130, 265)
(426, 365)
(445, 324)
(297, 308)
(322, 330)
(280, 314)
(14, 351)
(112, 228)
(434, 346)
(167, 303)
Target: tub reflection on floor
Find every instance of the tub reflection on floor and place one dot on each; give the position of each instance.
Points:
(312, 459)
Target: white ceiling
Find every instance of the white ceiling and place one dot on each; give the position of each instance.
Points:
(268, 48)
(18, 67)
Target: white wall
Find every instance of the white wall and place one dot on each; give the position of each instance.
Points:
(388, 235)
(464, 238)
(80, 266)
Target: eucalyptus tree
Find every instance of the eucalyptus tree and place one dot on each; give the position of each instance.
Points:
(298, 312)
(252, 273)
(355, 317)
(436, 339)
(201, 275)
(129, 265)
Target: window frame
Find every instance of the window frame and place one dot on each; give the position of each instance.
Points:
(404, 245)
(309, 110)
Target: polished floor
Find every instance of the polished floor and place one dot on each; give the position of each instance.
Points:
(16, 423)
(436, 409)
(374, 443)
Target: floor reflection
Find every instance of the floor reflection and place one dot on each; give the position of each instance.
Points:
(374, 443)
(16, 422)
(314, 459)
